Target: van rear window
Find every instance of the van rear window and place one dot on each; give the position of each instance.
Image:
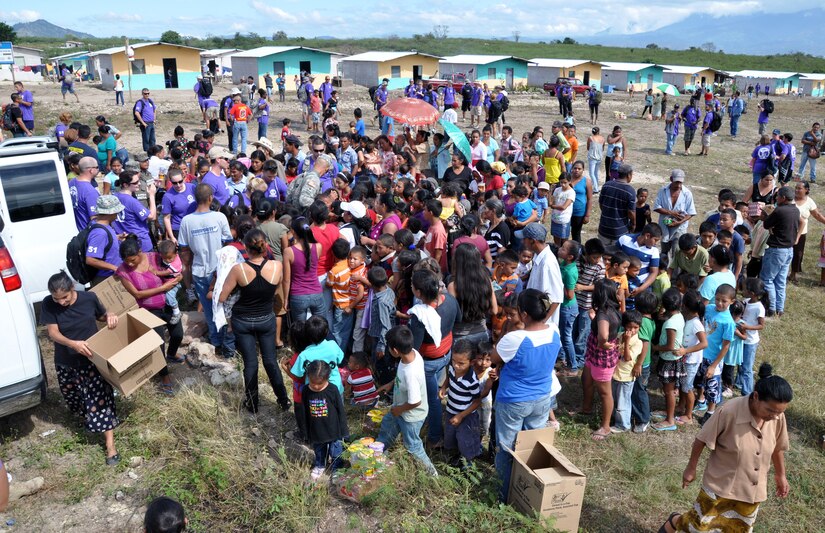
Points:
(32, 191)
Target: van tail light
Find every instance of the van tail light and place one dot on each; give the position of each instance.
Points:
(11, 279)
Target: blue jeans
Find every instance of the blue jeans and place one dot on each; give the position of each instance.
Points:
(756, 177)
(805, 159)
(123, 155)
(734, 125)
(392, 426)
(512, 417)
(432, 370)
(331, 451)
(671, 139)
(594, 172)
(119, 98)
(299, 304)
(622, 392)
(147, 135)
(239, 134)
(774, 274)
(639, 400)
(252, 333)
(172, 296)
(262, 127)
(218, 339)
(567, 321)
(744, 377)
(342, 327)
(582, 330)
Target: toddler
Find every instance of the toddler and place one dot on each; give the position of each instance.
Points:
(360, 383)
(326, 419)
(633, 281)
(643, 217)
(694, 341)
(525, 265)
(338, 280)
(671, 363)
(481, 366)
(617, 272)
(542, 202)
(734, 356)
(170, 266)
(631, 349)
(462, 429)
(752, 322)
(720, 327)
(165, 515)
(357, 294)
(513, 321)
(504, 272)
(562, 210)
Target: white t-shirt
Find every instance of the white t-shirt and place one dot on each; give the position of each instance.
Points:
(546, 277)
(411, 387)
(689, 340)
(450, 116)
(753, 312)
(559, 197)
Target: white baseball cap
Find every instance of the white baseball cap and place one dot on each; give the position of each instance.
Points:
(355, 208)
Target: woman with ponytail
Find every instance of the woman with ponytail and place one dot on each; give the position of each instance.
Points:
(301, 272)
(745, 436)
(524, 399)
(253, 319)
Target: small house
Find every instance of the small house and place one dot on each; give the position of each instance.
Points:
(509, 71)
(369, 68)
(642, 76)
(291, 60)
(777, 82)
(543, 70)
(28, 65)
(154, 65)
(812, 85)
(690, 78)
(217, 62)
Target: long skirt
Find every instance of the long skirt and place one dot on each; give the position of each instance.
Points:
(88, 396)
(714, 513)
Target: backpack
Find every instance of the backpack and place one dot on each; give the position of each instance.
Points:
(716, 122)
(8, 121)
(205, 89)
(505, 103)
(598, 97)
(135, 110)
(302, 93)
(222, 112)
(767, 105)
(372, 90)
(76, 254)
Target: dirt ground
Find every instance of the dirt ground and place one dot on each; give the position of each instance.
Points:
(79, 496)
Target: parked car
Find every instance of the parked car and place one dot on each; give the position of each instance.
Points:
(36, 206)
(578, 86)
(456, 79)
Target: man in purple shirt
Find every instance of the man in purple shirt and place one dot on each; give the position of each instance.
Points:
(145, 116)
(763, 116)
(409, 90)
(67, 84)
(178, 202)
(26, 104)
(449, 96)
(84, 194)
(381, 100)
(307, 112)
(308, 164)
(475, 106)
(276, 186)
(102, 244)
(216, 177)
(201, 99)
(326, 90)
(690, 119)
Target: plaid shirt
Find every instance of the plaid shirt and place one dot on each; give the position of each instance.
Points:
(588, 275)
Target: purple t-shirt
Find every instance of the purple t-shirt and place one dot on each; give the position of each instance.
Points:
(84, 202)
(60, 131)
(133, 219)
(690, 117)
(326, 91)
(96, 247)
(28, 111)
(277, 189)
(761, 154)
(146, 108)
(264, 118)
(218, 184)
(449, 95)
(763, 117)
(178, 204)
(476, 98)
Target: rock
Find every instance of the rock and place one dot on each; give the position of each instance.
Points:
(26, 488)
(48, 433)
(194, 324)
(132, 474)
(135, 461)
(187, 340)
(217, 378)
(189, 381)
(256, 432)
(201, 350)
(234, 378)
(119, 495)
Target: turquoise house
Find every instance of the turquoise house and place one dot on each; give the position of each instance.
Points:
(642, 76)
(290, 60)
(509, 71)
(778, 82)
(152, 65)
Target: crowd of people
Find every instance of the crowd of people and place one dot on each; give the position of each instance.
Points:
(403, 271)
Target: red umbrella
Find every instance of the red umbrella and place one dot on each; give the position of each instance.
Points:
(411, 111)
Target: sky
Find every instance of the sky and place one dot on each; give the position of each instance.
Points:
(369, 18)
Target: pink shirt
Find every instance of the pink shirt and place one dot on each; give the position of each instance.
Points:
(143, 281)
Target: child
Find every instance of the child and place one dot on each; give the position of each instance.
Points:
(298, 344)
(357, 294)
(643, 217)
(409, 397)
(686, 281)
(615, 162)
(752, 322)
(170, 266)
(326, 419)
(646, 303)
(671, 364)
(360, 383)
(383, 253)
(319, 348)
(499, 320)
(463, 393)
(617, 272)
(720, 327)
(285, 131)
(590, 270)
(734, 356)
(524, 211)
(633, 281)
(315, 108)
(481, 366)
(569, 309)
(338, 280)
(562, 210)
(694, 342)
(707, 234)
(435, 242)
(504, 273)
(510, 306)
(165, 515)
(631, 349)
(382, 311)
(525, 265)
(541, 201)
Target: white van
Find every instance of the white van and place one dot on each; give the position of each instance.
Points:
(36, 207)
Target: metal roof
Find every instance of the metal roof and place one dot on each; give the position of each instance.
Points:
(478, 59)
(815, 77)
(561, 63)
(69, 56)
(122, 49)
(764, 74)
(630, 67)
(264, 51)
(380, 57)
(215, 52)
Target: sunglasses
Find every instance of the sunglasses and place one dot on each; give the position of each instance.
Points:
(134, 182)
(176, 182)
(145, 94)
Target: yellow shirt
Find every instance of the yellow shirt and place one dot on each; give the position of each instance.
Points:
(624, 370)
(552, 168)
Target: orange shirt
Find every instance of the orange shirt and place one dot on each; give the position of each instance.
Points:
(338, 279)
(574, 148)
(622, 281)
(353, 287)
(240, 112)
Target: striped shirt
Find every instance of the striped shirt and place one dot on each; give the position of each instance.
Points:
(338, 279)
(616, 200)
(363, 387)
(353, 287)
(649, 256)
(588, 275)
(462, 391)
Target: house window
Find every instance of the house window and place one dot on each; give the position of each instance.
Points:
(139, 66)
(395, 71)
(491, 73)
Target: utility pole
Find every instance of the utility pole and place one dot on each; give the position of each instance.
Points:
(129, 60)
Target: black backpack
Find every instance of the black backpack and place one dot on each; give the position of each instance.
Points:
(222, 112)
(76, 254)
(505, 103)
(372, 90)
(135, 110)
(205, 88)
(767, 105)
(8, 120)
(716, 122)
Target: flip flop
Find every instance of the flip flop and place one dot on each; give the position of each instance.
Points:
(662, 427)
(598, 437)
(168, 390)
(177, 360)
(669, 521)
(681, 420)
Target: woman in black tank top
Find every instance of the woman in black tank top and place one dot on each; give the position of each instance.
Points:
(253, 319)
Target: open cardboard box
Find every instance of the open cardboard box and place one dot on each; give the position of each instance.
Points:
(129, 355)
(544, 481)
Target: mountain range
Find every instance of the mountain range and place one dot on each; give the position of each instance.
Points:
(758, 33)
(44, 28)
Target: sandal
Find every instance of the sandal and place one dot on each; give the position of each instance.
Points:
(177, 360)
(662, 426)
(598, 437)
(167, 389)
(113, 460)
(669, 521)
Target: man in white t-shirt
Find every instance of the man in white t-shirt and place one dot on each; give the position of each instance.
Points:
(546, 275)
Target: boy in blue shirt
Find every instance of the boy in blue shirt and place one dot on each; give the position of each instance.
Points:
(720, 328)
(542, 204)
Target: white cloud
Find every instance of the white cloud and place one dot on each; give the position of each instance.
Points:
(119, 17)
(24, 15)
(273, 12)
(237, 26)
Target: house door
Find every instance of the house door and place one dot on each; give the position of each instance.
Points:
(306, 67)
(790, 86)
(509, 78)
(417, 72)
(278, 67)
(170, 72)
(586, 78)
(650, 81)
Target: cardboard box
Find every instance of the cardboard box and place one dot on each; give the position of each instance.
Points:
(544, 481)
(129, 355)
